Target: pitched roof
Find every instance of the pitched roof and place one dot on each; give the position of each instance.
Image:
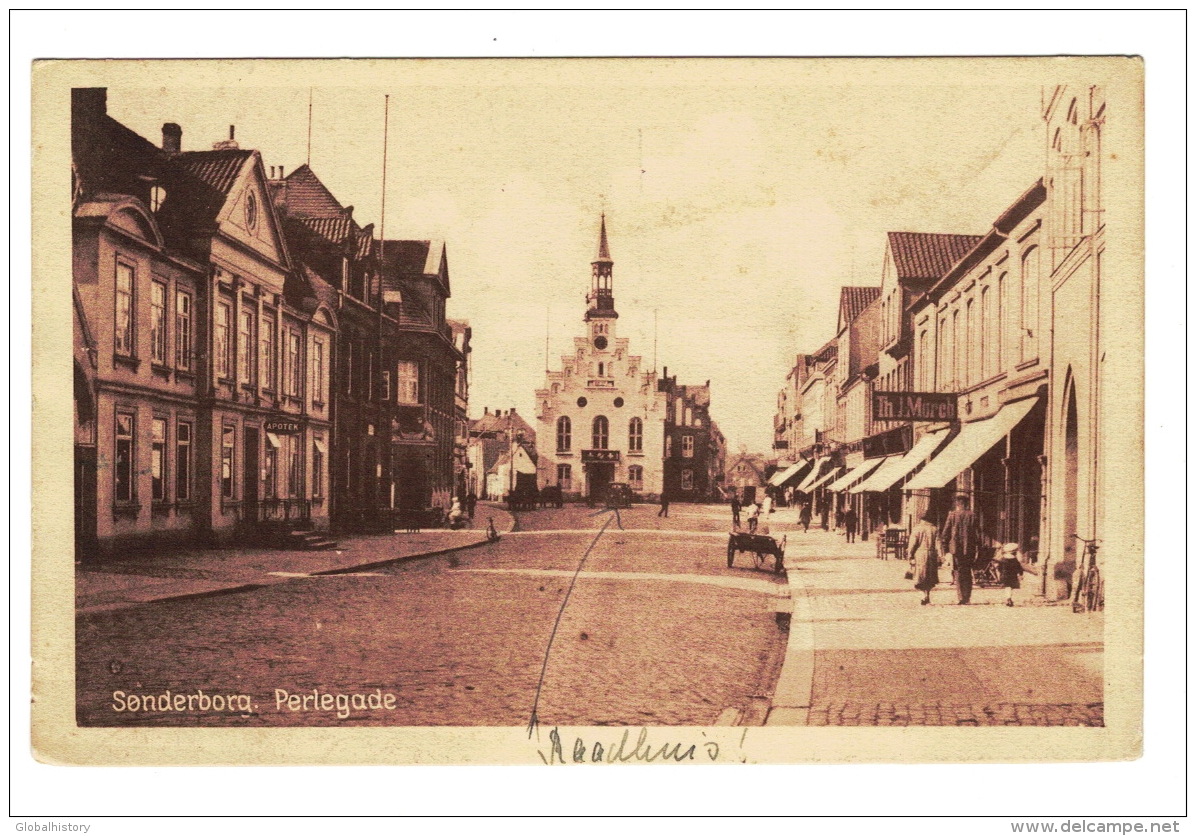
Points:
(218, 169)
(853, 300)
(306, 195)
(928, 255)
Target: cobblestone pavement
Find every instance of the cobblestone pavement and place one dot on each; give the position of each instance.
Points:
(657, 631)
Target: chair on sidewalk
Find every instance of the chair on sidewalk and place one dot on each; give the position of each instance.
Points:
(891, 542)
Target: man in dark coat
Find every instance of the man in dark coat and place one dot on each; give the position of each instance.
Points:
(960, 537)
(805, 515)
(664, 503)
(850, 518)
(735, 510)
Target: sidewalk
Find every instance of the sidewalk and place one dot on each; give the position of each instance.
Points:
(147, 578)
(862, 651)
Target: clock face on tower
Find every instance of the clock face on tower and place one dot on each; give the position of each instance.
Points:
(600, 342)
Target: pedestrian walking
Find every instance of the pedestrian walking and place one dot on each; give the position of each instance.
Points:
(735, 510)
(1011, 569)
(664, 504)
(826, 510)
(960, 538)
(924, 557)
(471, 503)
(850, 520)
(754, 518)
(805, 516)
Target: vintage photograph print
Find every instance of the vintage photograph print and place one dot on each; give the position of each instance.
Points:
(576, 410)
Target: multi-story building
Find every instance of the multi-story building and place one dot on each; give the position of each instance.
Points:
(496, 441)
(462, 336)
(976, 334)
(208, 421)
(608, 419)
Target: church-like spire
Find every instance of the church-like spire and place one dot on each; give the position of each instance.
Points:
(602, 297)
(603, 247)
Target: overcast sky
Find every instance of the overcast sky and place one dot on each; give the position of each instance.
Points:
(739, 198)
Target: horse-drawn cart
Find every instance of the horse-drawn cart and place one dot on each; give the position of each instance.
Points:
(760, 546)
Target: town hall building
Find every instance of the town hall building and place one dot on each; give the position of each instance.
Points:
(601, 417)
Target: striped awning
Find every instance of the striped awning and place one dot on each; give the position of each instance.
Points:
(813, 475)
(974, 440)
(855, 474)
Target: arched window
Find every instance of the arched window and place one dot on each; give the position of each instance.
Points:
(635, 436)
(988, 365)
(601, 433)
(564, 434)
(1002, 308)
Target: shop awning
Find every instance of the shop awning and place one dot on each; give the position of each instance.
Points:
(319, 442)
(833, 473)
(813, 475)
(887, 463)
(901, 466)
(273, 440)
(855, 474)
(782, 476)
(973, 441)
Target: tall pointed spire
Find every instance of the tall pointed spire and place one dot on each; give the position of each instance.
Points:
(602, 298)
(603, 247)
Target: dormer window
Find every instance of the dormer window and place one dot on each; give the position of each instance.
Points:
(157, 198)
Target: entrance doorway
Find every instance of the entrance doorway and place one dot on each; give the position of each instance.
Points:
(85, 501)
(598, 479)
(250, 476)
(1071, 474)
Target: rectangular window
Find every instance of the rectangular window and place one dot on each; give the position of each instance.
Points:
(227, 446)
(158, 323)
(158, 460)
(294, 362)
(317, 466)
(182, 331)
(385, 383)
(635, 477)
(687, 480)
(124, 470)
(687, 446)
(408, 373)
(182, 461)
(268, 353)
(564, 476)
(124, 309)
(224, 316)
(317, 371)
(245, 353)
(668, 446)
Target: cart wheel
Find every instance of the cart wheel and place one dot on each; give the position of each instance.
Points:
(730, 555)
(780, 561)
(759, 557)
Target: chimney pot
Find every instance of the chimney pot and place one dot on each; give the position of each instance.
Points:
(172, 138)
(232, 131)
(280, 172)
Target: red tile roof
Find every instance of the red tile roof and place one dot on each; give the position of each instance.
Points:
(928, 255)
(853, 300)
(218, 169)
(307, 197)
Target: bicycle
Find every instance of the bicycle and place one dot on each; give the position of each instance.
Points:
(1089, 592)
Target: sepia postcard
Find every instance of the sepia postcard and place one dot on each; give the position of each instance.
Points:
(588, 411)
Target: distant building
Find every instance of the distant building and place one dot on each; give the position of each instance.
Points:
(462, 335)
(495, 440)
(745, 476)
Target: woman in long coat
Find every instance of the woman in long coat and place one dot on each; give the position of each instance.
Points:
(923, 553)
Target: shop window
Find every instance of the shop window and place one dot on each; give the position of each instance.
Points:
(635, 435)
(158, 460)
(294, 466)
(125, 449)
(564, 476)
(564, 434)
(125, 281)
(158, 323)
(601, 433)
(317, 466)
(182, 461)
(270, 468)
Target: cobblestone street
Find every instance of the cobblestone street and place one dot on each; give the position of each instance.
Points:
(657, 631)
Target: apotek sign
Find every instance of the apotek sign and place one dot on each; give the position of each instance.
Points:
(599, 456)
(914, 406)
(282, 427)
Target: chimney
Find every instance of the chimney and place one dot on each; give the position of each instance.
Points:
(280, 172)
(229, 144)
(485, 410)
(172, 138)
(512, 410)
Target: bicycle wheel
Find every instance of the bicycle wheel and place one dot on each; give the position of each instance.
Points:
(1093, 595)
